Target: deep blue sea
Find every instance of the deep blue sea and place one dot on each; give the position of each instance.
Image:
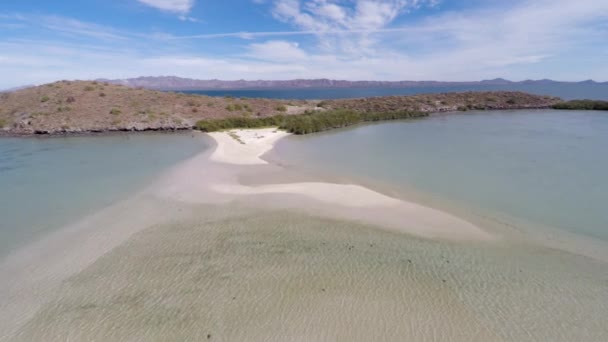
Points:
(596, 91)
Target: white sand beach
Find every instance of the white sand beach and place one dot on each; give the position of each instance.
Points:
(342, 201)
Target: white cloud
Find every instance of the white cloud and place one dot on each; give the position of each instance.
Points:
(189, 18)
(357, 19)
(325, 15)
(177, 6)
(276, 50)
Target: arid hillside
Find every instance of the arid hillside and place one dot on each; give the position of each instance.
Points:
(90, 106)
(446, 102)
(82, 106)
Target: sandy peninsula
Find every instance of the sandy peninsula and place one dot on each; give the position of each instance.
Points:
(239, 152)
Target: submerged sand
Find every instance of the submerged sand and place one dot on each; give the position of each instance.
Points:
(226, 246)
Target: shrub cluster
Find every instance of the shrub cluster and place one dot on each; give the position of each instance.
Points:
(309, 122)
(582, 105)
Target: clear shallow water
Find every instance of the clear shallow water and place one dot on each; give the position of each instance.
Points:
(565, 91)
(252, 275)
(49, 182)
(547, 167)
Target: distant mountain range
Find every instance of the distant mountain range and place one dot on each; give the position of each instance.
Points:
(178, 83)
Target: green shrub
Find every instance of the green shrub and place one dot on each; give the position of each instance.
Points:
(3, 123)
(44, 99)
(115, 111)
(89, 88)
(511, 101)
(281, 108)
(309, 122)
(102, 94)
(582, 105)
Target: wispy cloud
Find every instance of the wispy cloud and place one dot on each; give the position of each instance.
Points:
(77, 27)
(329, 18)
(177, 6)
(266, 34)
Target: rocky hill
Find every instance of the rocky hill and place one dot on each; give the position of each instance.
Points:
(93, 106)
(446, 102)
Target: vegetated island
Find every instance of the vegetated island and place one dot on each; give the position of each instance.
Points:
(91, 106)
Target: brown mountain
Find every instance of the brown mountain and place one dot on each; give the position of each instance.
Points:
(178, 83)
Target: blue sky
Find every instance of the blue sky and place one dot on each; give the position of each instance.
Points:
(43, 41)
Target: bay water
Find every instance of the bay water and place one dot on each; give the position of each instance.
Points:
(544, 166)
(566, 91)
(49, 182)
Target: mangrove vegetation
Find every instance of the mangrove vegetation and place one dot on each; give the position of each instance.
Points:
(582, 105)
(309, 122)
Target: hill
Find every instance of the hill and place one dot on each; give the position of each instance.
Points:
(93, 106)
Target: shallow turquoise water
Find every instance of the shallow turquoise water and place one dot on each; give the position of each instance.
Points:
(49, 182)
(547, 167)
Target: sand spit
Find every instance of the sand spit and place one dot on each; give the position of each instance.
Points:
(238, 153)
(33, 274)
(244, 146)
